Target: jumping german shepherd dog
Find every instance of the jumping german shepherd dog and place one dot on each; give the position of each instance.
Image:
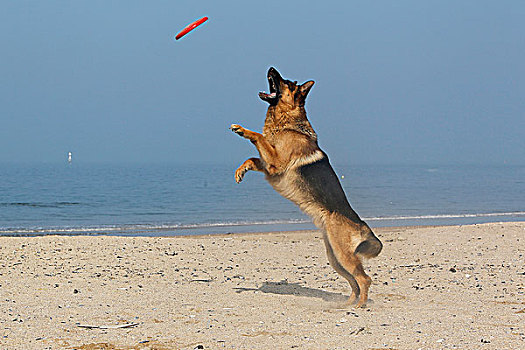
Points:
(299, 170)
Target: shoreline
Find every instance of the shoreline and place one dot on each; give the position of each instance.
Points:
(379, 230)
(434, 287)
(217, 229)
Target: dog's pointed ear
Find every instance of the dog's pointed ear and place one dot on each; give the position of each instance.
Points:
(305, 88)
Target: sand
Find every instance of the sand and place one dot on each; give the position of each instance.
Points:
(455, 287)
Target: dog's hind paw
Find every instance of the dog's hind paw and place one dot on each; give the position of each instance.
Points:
(352, 299)
(239, 130)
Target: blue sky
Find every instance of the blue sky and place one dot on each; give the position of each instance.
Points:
(431, 82)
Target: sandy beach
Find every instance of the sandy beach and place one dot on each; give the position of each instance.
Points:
(450, 287)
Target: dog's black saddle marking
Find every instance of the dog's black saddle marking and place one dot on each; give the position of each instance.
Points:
(320, 181)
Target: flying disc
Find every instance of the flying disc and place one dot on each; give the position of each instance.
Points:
(190, 27)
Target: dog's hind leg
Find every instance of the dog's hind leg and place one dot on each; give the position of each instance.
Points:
(352, 264)
(340, 270)
(250, 164)
(341, 236)
(362, 279)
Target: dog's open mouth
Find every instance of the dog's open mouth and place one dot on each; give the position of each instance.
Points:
(273, 81)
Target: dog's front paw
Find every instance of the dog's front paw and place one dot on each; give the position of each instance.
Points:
(239, 174)
(239, 130)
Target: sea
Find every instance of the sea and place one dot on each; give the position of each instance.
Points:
(191, 199)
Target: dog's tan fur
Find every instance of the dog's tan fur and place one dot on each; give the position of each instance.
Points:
(299, 170)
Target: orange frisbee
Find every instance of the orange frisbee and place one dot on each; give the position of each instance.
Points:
(190, 27)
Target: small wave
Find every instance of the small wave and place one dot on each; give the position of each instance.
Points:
(39, 204)
(139, 228)
(445, 216)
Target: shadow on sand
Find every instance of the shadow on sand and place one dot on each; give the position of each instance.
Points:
(285, 288)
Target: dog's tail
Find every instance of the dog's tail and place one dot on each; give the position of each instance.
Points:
(371, 246)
